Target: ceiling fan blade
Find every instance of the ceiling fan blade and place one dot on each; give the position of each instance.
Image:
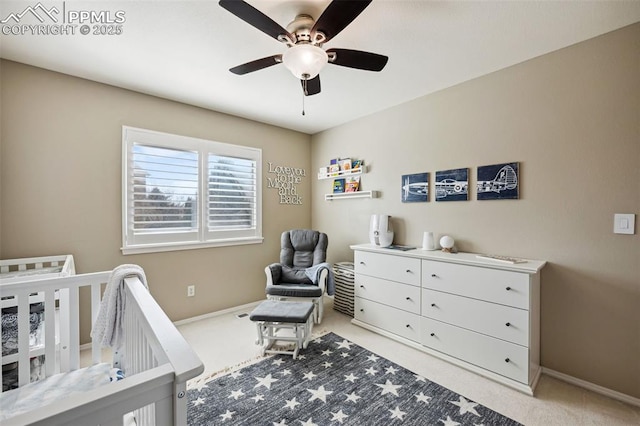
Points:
(337, 16)
(312, 86)
(256, 65)
(358, 59)
(253, 16)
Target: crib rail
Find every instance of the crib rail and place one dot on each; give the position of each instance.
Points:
(36, 268)
(156, 359)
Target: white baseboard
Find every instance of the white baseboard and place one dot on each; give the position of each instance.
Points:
(218, 313)
(592, 387)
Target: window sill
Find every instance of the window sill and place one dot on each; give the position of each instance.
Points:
(158, 248)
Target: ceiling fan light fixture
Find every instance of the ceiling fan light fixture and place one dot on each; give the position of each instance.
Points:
(305, 60)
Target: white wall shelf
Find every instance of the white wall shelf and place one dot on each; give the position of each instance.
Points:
(357, 194)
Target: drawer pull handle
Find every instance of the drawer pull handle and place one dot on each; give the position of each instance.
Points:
(408, 298)
(507, 360)
(408, 325)
(362, 263)
(433, 334)
(433, 305)
(361, 286)
(434, 276)
(408, 271)
(361, 310)
(508, 288)
(508, 324)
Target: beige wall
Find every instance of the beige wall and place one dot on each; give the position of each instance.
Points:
(572, 120)
(61, 185)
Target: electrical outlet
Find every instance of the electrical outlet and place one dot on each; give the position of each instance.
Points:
(191, 290)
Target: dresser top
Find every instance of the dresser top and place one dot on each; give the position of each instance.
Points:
(530, 266)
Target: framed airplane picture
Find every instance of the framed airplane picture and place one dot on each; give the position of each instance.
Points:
(452, 185)
(498, 182)
(415, 188)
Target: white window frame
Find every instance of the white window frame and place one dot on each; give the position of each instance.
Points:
(165, 240)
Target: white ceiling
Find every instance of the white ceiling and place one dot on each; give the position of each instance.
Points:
(182, 50)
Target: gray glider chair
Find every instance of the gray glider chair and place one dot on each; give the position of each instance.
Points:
(302, 273)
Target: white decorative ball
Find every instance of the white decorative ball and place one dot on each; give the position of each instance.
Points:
(446, 242)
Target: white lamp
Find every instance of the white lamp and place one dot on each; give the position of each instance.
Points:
(447, 243)
(305, 60)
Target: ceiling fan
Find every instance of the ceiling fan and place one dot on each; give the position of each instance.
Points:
(304, 38)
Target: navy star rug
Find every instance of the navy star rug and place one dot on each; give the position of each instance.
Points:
(333, 382)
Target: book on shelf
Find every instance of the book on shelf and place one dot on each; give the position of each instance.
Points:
(345, 164)
(352, 184)
(338, 186)
(334, 169)
(356, 165)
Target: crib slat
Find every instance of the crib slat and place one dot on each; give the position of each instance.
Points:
(64, 330)
(96, 352)
(50, 332)
(74, 328)
(24, 364)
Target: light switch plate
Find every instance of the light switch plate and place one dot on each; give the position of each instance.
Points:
(624, 223)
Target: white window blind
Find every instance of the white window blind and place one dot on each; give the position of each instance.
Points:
(164, 177)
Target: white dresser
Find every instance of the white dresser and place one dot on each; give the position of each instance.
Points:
(482, 315)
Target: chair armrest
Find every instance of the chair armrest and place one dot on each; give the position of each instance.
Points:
(322, 280)
(273, 273)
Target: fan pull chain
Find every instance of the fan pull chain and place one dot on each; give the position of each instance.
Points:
(304, 92)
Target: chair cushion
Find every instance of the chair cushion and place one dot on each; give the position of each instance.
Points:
(294, 276)
(294, 290)
(276, 311)
(303, 248)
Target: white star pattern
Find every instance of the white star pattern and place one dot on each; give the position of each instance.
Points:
(338, 417)
(371, 371)
(228, 415)
(389, 387)
(350, 378)
(236, 394)
(353, 397)
(310, 375)
(321, 393)
(367, 388)
(265, 381)
(466, 406)
(422, 398)
(301, 356)
(318, 340)
(391, 370)
(345, 344)
(449, 422)
(200, 386)
(291, 403)
(397, 413)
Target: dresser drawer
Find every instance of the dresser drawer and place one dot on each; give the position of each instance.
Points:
(395, 268)
(504, 287)
(503, 322)
(396, 321)
(397, 295)
(504, 358)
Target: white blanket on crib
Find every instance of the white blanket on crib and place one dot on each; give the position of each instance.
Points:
(108, 328)
(54, 388)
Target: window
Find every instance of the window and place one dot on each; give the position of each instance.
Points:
(181, 192)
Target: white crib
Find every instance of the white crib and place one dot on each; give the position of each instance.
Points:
(157, 360)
